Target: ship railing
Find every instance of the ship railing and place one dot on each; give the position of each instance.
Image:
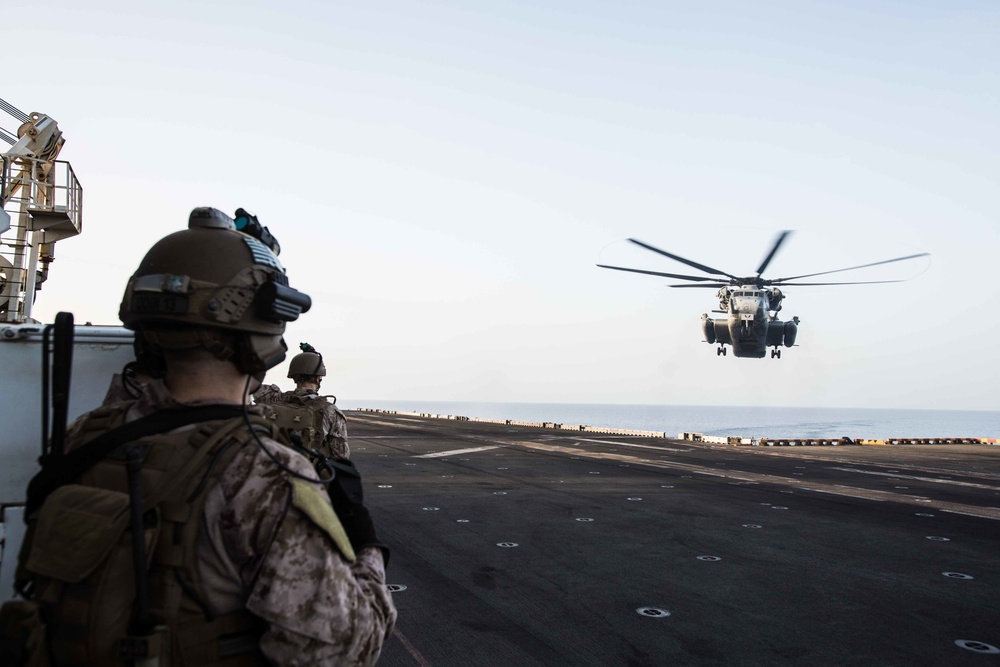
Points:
(48, 192)
(42, 203)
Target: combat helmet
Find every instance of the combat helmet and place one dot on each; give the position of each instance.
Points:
(215, 287)
(309, 363)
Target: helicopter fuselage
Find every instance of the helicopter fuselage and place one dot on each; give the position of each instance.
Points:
(750, 303)
(751, 324)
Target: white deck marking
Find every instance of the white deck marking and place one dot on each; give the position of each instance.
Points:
(843, 493)
(979, 516)
(936, 480)
(377, 422)
(740, 475)
(437, 455)
(632, 444)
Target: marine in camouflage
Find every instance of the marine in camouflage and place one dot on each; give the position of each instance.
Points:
(335, 443)
(258, 550)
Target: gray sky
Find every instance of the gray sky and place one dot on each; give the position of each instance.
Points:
(444, 176)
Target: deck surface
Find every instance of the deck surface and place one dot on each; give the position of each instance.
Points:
(528, 546)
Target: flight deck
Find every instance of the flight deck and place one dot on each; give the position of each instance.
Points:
(514, 545)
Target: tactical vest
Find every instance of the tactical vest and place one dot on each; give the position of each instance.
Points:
(78, 554)
(302, 415)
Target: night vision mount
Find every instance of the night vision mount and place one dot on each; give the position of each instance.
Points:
(274, 301)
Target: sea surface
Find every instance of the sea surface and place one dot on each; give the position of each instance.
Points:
(773, 422)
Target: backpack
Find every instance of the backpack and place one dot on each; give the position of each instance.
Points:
(87, 603)
(302, 416)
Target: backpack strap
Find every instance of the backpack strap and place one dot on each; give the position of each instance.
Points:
(184, 514)
(230, 640)
(59, 470)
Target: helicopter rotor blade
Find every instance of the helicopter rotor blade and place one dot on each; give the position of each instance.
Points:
(863, 282)
(696, 265)
(774, 250)
(710, 285)
(852, 268)
(656, 273)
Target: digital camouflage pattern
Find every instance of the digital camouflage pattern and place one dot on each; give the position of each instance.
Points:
(335, 443)
(119, 390)
(257, 550)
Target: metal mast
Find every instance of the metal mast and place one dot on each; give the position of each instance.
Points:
(41, 202)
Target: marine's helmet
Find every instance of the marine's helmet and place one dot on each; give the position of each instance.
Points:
(306, 363)
(214, 287)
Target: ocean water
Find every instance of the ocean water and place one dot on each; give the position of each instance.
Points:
(745, 421)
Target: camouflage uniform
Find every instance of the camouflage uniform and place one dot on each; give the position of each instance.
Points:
(117, 391)
(256, 550)
(334, 422)
(120, 391)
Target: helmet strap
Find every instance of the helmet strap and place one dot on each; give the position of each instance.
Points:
(257, 353)
(148, 356)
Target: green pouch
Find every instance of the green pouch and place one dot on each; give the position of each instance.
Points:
(77, 528)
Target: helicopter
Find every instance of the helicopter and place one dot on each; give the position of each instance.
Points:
(750, 303)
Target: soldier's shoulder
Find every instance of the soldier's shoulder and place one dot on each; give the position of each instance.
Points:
(99, 420)
(267, 394)
(265, 461)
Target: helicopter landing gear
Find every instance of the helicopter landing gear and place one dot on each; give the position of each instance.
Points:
(776, 353)
(721, 351)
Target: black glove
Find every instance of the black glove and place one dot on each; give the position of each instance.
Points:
(346, 495)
